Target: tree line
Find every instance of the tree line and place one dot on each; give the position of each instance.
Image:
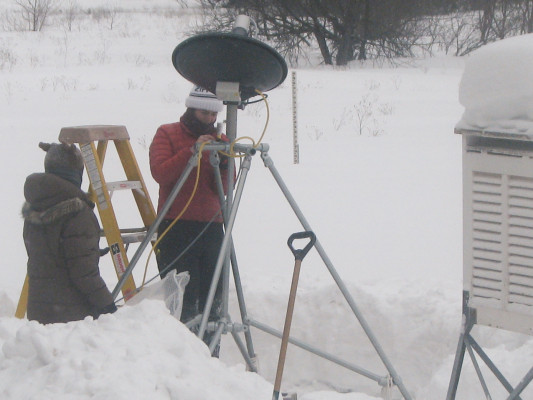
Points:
(348, 30)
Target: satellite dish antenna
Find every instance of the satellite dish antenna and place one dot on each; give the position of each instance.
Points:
(235, 57)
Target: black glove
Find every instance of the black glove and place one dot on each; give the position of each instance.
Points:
(104, 251)
(109, 309)
(224, 160)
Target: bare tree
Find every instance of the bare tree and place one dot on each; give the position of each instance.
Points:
(527, 24)
(503, 21)
(486, 20)
(525, 11)
(343, 30)
(35, 12)
(346, 30)
(498, 19)
(71, 11)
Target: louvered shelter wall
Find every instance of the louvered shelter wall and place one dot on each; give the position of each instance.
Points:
(498, 228)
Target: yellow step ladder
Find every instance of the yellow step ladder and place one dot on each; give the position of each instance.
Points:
(102, 191)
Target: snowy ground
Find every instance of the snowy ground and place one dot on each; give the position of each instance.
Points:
(379, 180)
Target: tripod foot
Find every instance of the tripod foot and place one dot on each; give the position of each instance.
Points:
(289, 396)
(254, 367)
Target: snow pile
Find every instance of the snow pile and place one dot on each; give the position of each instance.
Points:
(497, 87)
(140, 352)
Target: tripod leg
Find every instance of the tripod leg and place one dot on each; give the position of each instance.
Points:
(250, 356)
(224, 204)
(193, 161)
(243, 311)
(396, 378)
(251, 362)
(225, 246)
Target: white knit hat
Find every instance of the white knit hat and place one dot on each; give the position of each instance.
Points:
(201, 99)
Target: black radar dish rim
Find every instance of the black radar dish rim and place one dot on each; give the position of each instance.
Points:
(228, 57)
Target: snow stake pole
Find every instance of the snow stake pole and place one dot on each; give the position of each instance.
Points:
(298, 257)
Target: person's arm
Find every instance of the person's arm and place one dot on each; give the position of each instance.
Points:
(80, 249)
(168, 163)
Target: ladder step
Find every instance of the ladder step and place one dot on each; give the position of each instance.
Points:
(91, 133)
(124, 185)
(132, 235)
(136, 238)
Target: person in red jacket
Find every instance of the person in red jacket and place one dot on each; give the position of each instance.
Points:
(193, 243)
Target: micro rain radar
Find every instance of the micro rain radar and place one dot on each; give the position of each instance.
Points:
(236, 67)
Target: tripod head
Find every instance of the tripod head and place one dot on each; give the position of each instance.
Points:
(209, 58)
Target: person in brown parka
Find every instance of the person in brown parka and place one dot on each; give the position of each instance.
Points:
(61, 235)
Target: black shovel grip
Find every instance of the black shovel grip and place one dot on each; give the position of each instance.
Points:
(299, 254)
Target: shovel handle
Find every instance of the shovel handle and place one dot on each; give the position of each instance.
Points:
(299, 254)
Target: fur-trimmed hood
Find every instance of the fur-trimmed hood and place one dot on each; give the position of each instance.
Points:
(53, 213)
(49, 197)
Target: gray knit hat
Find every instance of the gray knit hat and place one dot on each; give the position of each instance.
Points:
(201, 99)
(64, 160)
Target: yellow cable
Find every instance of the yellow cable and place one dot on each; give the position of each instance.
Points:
(180, 214)
(232, 154)
(254, 144)
(267, 118)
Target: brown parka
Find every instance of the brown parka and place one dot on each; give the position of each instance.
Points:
(61, 235)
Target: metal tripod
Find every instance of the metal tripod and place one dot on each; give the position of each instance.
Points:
(227, 258)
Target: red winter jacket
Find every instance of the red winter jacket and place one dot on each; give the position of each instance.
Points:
(170, 151)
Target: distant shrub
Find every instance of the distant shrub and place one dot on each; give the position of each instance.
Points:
(7, 59)
(106, 15)
(34, 13)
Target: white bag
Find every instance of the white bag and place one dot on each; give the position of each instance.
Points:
(174, 288)
(170, 289)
